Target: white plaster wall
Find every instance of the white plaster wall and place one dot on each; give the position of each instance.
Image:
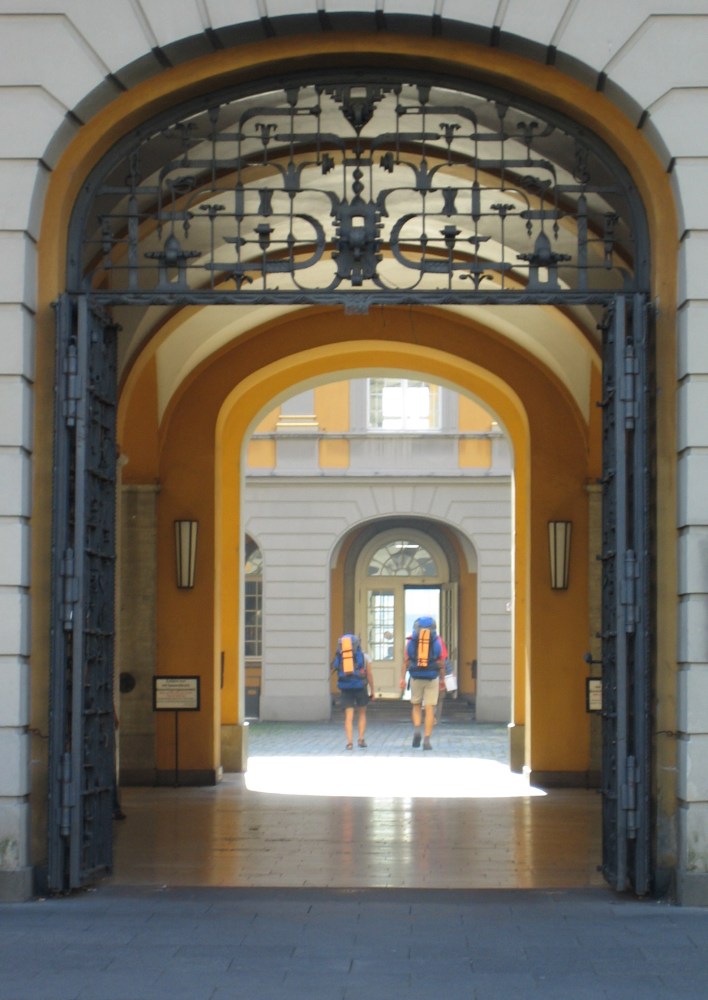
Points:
(694, 839)
(297, 525)
(62, 56)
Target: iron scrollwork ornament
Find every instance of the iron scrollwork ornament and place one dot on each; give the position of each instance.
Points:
(378, 188)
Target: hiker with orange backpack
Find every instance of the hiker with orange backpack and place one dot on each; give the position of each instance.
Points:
(354, 678)
(425, 663)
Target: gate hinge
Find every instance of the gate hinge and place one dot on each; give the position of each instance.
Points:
(629, 386)
(629, 590)
(66, 795)
(69, 590)
(73, 388)
(629, 796)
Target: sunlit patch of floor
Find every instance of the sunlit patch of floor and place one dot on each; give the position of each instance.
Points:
(377, 777)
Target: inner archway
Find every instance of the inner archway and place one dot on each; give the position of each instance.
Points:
(317, 463)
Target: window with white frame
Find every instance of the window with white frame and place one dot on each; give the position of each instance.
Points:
(403, 404)
(253, 604)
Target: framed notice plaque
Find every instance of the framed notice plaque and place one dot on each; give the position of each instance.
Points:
(593, 694)
(175, 694)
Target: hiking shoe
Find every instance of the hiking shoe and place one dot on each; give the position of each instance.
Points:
(416, 739)
(426, 745)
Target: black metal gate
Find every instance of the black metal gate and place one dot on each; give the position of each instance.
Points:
(82, 770)
(359, 190)
(626, 598)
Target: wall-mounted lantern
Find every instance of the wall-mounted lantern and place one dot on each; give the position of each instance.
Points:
(186, 552)
(559, 533)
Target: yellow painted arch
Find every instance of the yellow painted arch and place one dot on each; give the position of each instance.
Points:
(245, 405)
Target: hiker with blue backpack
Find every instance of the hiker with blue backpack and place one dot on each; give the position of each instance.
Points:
(425, 663)
(354, 678)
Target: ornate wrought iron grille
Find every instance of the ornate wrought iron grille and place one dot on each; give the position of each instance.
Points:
(384, 191)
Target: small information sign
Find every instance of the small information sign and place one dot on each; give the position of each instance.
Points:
(176, 694)
(593, 694)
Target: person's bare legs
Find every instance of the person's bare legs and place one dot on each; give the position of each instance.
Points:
(416, 716)
(361, 724)
(348, 724)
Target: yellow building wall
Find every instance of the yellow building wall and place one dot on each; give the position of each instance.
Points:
(333, 416)
(332, 409)
(260, 454)
(468, 633)
(471, 416)
(473, 454)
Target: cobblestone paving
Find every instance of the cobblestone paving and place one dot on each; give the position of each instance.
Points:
(388, 734)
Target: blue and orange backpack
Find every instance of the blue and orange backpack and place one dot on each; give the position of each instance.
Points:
(424, 649)
(349, 663)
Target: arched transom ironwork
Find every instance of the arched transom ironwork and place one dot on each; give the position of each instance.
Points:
(402, 557)
(381, 190)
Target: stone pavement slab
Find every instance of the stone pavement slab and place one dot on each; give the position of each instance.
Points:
(135, 943)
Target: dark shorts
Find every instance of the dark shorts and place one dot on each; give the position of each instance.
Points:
(355, 697)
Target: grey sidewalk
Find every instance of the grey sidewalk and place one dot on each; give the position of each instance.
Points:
(152, 942)
(227, 944)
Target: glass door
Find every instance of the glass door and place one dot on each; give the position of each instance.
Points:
(419, 602)
(400, 576)
(381, 643)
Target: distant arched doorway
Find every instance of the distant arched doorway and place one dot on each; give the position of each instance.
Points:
(394, 569)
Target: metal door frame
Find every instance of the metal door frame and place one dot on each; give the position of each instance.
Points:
(82, 720)
(627, 601)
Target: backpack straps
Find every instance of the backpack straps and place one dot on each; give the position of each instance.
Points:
(424, 651)
(347, 654)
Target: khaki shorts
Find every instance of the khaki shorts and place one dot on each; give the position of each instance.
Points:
(424, 691)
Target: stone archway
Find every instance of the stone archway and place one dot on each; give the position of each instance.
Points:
(540, 271)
